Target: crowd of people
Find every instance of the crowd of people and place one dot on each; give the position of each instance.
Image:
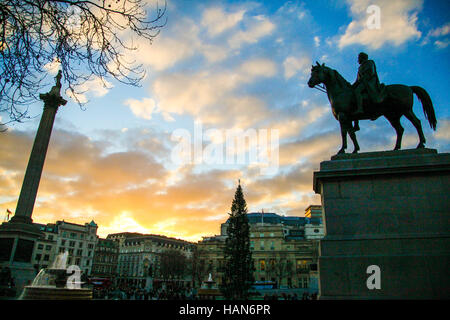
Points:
(176, 293)
(134, 293)
(288, 296)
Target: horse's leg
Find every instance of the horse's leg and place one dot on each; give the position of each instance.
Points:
(342, 121)
(416, 122)
(395, 122)
(352, 135)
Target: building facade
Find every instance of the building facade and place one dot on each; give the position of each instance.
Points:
(106, 257)
(284, 250)
(79, 241)
(140, 257)
(45, 248)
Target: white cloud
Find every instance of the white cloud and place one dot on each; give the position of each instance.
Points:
(441, 31)
(53, 66)
(142, 108)
(169, 48)
(293, 9)
(259, 27)
(256, 68)
(217, 21)
(95, 87)
(443, 130)
(292, 65)
(441, 44)
(398, 23)
(206, 95)
(317, 41)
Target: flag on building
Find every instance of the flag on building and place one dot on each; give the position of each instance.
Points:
(8, 213)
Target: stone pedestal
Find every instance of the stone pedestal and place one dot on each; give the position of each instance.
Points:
(17, 241)
(390, 210)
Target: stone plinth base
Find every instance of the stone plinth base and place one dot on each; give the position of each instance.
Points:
(390, 210)
(17, 240)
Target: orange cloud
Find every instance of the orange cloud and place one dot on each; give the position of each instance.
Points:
(134, 187)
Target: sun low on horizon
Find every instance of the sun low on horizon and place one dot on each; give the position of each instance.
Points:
(153, 159)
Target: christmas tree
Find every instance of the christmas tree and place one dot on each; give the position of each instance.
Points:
(238, 275)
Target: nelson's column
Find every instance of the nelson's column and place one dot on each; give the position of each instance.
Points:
(18, 236)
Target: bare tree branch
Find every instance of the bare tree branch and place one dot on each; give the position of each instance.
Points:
(85, 39)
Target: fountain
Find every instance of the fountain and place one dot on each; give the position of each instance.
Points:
(209, 289)
(52, 284)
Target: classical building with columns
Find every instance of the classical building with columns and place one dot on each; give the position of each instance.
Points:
(284, 250)
(140, 257)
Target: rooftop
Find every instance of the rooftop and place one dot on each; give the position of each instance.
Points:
(273, 218)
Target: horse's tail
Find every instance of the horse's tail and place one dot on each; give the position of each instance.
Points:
(427, 105)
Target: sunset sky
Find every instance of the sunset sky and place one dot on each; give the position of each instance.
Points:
(227, 65)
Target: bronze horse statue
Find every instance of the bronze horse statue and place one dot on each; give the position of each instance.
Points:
(397, 103)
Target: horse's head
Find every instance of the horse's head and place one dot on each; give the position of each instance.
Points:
(318, 75)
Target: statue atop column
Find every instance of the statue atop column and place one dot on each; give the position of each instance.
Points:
(53, 97)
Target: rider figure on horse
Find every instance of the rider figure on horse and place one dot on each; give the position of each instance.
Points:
(367, 83)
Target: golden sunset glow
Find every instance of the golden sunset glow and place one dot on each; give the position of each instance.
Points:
(226, 66)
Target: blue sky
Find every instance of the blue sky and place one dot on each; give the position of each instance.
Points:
(228, 64)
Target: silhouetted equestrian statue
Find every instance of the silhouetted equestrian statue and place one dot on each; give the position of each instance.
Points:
(368, 99)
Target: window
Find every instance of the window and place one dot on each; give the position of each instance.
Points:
(272, 246)
(302, 264)
(50, 237)
(63, 242)
(72, 244)
(48, 247)
(38, 257)
(46, 257)
(262, 265)
(40, 246)
(261, 245)
(79, 252)
(304, 282)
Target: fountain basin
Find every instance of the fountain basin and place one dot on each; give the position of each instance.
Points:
(53, 293)
(52, 284)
